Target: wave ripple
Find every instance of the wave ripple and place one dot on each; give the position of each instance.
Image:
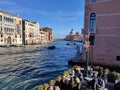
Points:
(24, 68)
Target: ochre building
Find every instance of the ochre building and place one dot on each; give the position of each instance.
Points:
(30, 33)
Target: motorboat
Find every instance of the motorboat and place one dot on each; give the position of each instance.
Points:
(51, 47)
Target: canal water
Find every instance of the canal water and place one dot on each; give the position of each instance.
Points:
(24, 68)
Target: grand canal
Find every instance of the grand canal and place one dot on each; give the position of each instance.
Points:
(24, 68)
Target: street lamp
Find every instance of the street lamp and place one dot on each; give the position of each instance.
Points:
(86, 46)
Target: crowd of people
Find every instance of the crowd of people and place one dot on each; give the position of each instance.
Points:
(76, 79)
(117, 83)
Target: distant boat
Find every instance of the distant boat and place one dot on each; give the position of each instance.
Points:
(51, 47)
(74, 43)
(67, 44)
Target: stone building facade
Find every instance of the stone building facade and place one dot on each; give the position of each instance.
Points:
(46, 35)
(102, 22)
(73, 36)
(10, 29)
(30, 32)
(14, 31)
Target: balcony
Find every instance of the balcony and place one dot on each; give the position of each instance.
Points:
(1, 32)
(92, 30)
(31, 34)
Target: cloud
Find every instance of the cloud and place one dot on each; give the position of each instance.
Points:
(12, 7)
(60, 16)
(67, 16)
(8, 6)
(6, 2)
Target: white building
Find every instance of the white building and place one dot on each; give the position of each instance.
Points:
(10, 29)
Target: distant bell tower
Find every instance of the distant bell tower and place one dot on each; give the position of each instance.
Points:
(71, 33)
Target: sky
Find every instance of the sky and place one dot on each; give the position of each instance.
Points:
(60, 15)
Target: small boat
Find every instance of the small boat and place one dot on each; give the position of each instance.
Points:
(74, 43)
(51, 47)
(67, 44)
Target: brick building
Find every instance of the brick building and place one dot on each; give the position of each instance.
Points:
(46, 35)
(102, 21)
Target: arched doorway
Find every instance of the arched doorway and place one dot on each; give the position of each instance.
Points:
(9, 40)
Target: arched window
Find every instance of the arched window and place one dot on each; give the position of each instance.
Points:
(0, 18)
(92, 20)
(1, 35)
(92, 27)
(0, 28)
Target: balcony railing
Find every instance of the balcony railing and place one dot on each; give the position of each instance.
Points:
(0, 32)
(92, 30)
